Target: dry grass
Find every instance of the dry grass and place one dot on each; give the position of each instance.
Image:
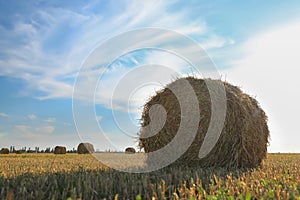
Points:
(85, 148)
(73, 176)
(13, 165)
(60, 150)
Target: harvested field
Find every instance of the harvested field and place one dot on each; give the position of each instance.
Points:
(47, 176)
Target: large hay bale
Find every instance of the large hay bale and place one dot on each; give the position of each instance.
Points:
(244, 137)
(129, 150)
(85, 148)
(4, 151)
(60, 150)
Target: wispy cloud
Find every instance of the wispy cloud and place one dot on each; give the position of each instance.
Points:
(3, 115)
(45, 129)
(22, 128)
(50, 120)
(47, 47)
(32, 116)
(39, 130)
(99, 118)
(169, 66)
(216, 41)
(128, 88)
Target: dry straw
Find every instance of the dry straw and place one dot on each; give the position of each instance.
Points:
(20, 151)
(130, 150)
(85, 148)
(244, 138)
(4, 151)
(60, 150)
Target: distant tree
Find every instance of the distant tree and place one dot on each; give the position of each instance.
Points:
(47, 150)
(12, 149)
(73, 150)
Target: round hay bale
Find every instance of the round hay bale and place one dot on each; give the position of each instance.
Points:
(4, 151)
(85, 148)
(244, 138)
(129, 150)
(60, 150)
(19, 151)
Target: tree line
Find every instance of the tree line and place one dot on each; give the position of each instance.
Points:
(25, 149)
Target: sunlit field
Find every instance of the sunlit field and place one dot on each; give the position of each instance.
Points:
(72, 176)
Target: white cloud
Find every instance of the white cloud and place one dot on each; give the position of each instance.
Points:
(270, 71)
(45, 63)
(45, 129)
(28, 57)
(67, 124)
(32, 116)
(3, 115)
(99, 118)
(120, 71)
(50, 119)
(215, 41)
(156, 14)
(22, 128)
(128, 89)
(37, 131)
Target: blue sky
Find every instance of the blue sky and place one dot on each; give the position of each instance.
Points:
(43, 45)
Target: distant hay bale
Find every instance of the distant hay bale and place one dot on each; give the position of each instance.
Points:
(4, 151)
(129, 150)
(85, 148)
(19, 151)
(60, 150)
(244, 138)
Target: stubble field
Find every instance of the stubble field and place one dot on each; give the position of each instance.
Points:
(72, 176)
